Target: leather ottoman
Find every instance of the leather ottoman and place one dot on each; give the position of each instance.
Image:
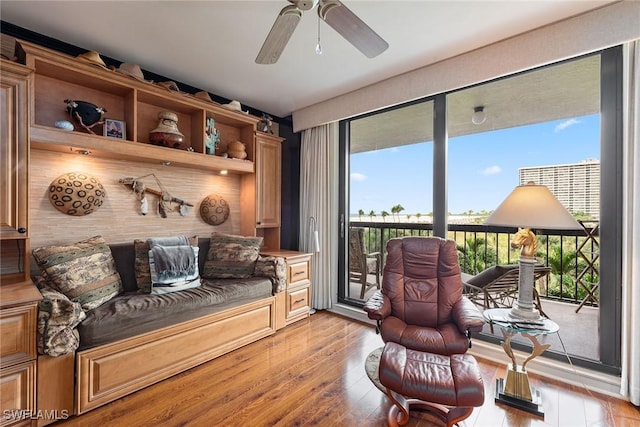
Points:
(449, 386)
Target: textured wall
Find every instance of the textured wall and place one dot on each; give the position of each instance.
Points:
(119, 218)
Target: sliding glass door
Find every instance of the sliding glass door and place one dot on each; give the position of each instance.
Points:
(558, 126)
(389, 189)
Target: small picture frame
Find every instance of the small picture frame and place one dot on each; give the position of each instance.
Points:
(115, 129)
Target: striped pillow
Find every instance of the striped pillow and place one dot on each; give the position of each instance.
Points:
(84, 272)
(231, 257)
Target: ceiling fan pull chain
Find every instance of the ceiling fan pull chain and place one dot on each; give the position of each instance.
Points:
(318, 46)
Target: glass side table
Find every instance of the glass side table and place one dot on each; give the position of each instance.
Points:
(514, 390)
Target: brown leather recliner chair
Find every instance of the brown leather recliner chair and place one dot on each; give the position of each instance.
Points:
(421, 305)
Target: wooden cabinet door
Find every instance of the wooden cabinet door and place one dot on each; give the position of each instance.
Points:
(13, 152)
(18, 400)
(18, 334)
(268, 174)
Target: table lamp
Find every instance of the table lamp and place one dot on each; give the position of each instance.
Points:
(530, 206)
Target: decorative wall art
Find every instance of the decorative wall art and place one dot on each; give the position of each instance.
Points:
(166, 202)
(76, 193)
(214, 210)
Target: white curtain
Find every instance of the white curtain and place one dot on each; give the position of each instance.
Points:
(630, 384)
(318, 199)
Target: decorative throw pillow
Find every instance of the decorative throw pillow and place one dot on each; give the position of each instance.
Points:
(275, 268)
(143, 274)
(161, 285)
(231, 257)
(85, 271)
(57, 320)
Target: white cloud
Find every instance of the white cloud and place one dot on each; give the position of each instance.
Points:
(355, 176)
(491, 170)
(562, 126)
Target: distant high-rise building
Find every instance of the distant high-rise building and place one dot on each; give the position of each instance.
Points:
(575, 185)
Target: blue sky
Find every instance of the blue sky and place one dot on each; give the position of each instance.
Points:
(483, 167)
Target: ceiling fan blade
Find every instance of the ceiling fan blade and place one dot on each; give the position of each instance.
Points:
(279, 35)
(352, 28)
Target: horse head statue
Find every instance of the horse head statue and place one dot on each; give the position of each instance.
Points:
(526, 241)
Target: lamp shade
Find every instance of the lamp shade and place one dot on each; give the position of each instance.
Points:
(532, 206)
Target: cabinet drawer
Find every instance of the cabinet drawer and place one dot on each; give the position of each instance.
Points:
(298, 301)
(17, 391)
(17, 334)
(297, 272)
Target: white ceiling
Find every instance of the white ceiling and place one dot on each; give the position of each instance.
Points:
(211, 45)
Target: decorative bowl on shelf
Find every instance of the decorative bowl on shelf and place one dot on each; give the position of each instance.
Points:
(167, 133)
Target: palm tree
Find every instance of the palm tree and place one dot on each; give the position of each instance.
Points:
(384, 215)
(360, 213)
(475, 255)
(372, 213)
(394, 210)
(562, 264)
(418, 215)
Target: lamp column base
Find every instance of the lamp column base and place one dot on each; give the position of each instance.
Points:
(524, 307)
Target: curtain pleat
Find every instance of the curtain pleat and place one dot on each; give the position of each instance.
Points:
(630, 381)
(318, 200)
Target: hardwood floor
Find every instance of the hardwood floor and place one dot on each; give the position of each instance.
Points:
(312, 373)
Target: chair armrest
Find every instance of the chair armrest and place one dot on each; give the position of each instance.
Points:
(58, 317)
(275, 268)
(467, 316)
(378, 306)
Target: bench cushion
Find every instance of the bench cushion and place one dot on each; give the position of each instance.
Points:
(132, 314)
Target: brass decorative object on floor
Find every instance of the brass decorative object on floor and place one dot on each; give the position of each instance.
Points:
(515, 390)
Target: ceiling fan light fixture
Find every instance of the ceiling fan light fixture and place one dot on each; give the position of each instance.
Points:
(334, 13)
(305, 4)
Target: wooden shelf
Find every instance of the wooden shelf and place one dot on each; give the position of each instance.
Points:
(51, 139)
(58, 77)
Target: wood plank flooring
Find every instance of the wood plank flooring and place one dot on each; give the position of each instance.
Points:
(312, 373)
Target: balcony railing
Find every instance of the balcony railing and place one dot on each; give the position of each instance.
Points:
(572, 255)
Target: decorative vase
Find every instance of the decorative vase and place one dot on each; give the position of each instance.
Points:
(167, 133)
(237, 150)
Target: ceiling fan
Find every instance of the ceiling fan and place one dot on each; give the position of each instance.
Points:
(334, 13)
